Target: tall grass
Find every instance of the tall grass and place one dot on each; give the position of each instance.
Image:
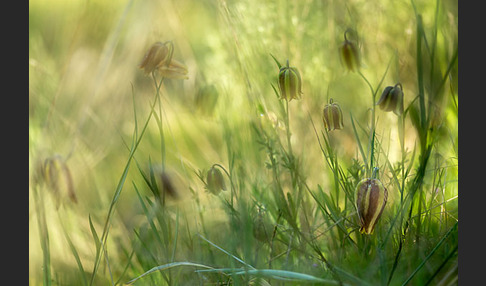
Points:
(139, 147)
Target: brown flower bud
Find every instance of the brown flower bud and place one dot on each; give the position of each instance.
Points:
(57, 177)
(159, 57)
(392, 99)
(349, 54)
(262, 229)
(167, 186)
(290, 83)
(371, 197)
(332, 116)
(215, 181)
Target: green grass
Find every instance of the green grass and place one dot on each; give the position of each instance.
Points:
(288, 215)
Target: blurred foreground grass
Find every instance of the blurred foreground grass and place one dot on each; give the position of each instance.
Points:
(87, 96)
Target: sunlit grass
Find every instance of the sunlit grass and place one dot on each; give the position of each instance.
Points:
(288, 213)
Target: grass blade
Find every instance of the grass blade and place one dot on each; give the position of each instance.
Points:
(283, 275)
(168, 266)
(74, 251)
(430, 254)
(94, 234)
(360, 146)
(234, 257)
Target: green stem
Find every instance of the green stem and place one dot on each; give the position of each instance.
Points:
(44, 237)
(375, 172)
(230, 179)
(423, 118)
(373, 121)
(159, 119)
(287, 123)
(453, 228)
(119, 188)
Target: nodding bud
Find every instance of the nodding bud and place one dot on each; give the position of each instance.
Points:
(57, 177)
(262, 229)
(206, 99)
(349, 54)
(290, 83)
(215, 181)
(392, 99)
(159, 57)
(167, 186)
(371, 197)
(332, 116)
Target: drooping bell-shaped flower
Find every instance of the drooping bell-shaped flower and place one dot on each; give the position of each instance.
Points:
(56, 175)
(215, 181)
(167, 185)
(332, 116)
(290, 83)
(159, 57)
(392, 99)
(371, 197)
(349, 54)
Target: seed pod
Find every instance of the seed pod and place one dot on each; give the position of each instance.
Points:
(371, 197)
(289, 82)
(159, 57)
(215, 181)
(349, 54)
(332, 116)
(392, 99)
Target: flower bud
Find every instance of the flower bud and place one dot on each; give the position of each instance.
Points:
(206, 99)
(349, 54)
(57, 177)
(175, 70)
(215, 181)
(371, 197)
(167, 186)
(159, 57)
(262, 229)
(289, 82)
(392, 99)
(332, 116)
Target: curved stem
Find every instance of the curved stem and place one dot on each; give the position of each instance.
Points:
(229, 177)
(119, 188)
(159, 119)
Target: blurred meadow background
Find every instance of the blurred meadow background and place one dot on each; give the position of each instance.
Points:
(119, 159)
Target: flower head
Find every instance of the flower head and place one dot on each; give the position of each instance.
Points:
(371, 197)
(332, 116)
(215, 181)
(159, 58)
(289, 82)
(54, 173)
(349, 54)
(392, 99)
(167, 185)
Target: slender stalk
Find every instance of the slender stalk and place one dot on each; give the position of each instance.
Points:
(230, 179)
(287, 124)
(119, 188)
(430, 254)
(44, 237)
(73, 250)
(373, 122)
(159, 118)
